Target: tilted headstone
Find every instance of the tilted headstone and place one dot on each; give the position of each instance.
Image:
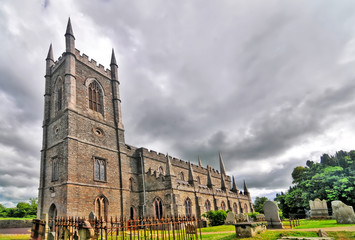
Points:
(241, 217)
(319, 209)
(271, 212)
(343, 213)
(230, 219)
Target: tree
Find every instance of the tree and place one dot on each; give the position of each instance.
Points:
(331, 179)
(259, 203)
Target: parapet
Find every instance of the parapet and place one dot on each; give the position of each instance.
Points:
(92, 64)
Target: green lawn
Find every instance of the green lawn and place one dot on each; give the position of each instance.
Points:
(226, 232)
(304, 224)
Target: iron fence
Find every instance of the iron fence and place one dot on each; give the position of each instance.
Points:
(174, 228)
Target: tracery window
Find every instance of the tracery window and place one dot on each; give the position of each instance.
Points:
(55, 170)
(95, 97)
(101, 207)
(100, 169)
(208, 205)
(188, 205)
(223, 206)
(158, 208)
(235, 208)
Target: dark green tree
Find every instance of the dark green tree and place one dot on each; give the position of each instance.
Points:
(259, 203)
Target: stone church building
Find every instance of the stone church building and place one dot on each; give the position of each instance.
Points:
(86, 165)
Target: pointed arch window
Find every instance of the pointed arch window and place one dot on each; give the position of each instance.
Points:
(235, 208)
(188, 210)
(95, 97)
(182, 176)
(223, 206)
(55, 169)
(100, 169)
(198, 180)
(158, 208)
(101, 207)
(131, 183)
(208, 205)
(246, 208)
(58, 94)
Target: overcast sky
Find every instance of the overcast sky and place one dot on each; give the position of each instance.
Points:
(270, 84)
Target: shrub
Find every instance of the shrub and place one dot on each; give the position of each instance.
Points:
(216, 218)
(252, 216)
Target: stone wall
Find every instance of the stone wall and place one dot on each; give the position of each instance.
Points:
(15, 223)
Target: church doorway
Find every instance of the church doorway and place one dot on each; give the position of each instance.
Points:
(52, 214)
(131, 213)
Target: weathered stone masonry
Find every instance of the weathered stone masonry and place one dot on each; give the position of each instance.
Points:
(86, 166)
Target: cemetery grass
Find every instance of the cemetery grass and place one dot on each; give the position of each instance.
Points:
(327, 223)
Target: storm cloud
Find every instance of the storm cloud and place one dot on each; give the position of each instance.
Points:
(268, 84)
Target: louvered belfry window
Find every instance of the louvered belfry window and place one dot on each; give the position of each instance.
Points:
(95, 97)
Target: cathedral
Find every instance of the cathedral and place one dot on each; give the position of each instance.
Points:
(87, 167)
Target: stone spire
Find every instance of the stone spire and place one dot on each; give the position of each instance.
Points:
(199, 161)
(49, 61)
(245, 188)
(234, 185)
(69, 30)
(191, 174)
(50, 53)
(69, 39)
(221, 164)
(209, 178)
(113, 58)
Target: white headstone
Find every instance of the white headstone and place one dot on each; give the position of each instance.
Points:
(343, 213)
(271, 212)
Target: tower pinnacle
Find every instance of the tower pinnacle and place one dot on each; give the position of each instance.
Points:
(113, 58)
(199, 161)
(50, 53)
(69, 30)
(221, 164)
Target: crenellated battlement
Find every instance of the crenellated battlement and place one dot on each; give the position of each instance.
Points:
(161, 157)
(92, 64)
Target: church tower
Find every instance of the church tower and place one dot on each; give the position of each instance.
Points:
(83, 133)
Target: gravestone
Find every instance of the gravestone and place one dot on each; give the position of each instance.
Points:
(319, 209)
(271, 212)
(92, 216)
(241, 217)
(343, 213)
(230, 219)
